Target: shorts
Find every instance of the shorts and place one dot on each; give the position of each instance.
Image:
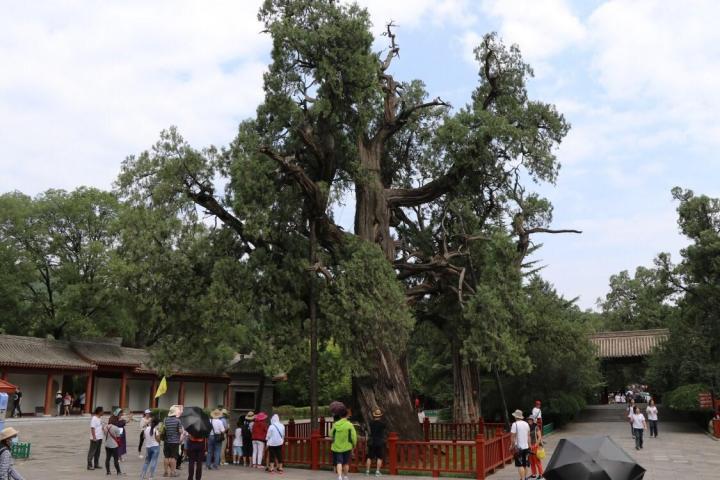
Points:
(341, 458)
(247, 449)
(275, 454)
(376, 452)
(522, 458)
(170, 450)
(237, 450)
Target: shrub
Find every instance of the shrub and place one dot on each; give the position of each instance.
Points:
(685, 397)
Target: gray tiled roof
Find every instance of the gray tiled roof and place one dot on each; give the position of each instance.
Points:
(17, 351)
(632, 343)
(112, 355)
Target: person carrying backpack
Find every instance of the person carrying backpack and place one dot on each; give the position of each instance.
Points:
(344, 440)
(247, 448)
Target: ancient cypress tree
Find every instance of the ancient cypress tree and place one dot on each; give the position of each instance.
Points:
(427, 182)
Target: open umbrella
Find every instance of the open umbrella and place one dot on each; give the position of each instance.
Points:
(196, 422)
(592, 458)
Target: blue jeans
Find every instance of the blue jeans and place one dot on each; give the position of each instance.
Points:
(151, 458)
(214, 452)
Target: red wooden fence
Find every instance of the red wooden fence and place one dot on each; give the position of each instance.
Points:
(476, 458)
(431, 431)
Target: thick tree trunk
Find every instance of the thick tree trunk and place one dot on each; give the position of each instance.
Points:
(389, 387)
(466, 388)
(372, 215)
(389, 390)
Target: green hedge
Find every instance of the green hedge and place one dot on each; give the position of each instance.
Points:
(684, 399)
(562, 408)
(299, 413)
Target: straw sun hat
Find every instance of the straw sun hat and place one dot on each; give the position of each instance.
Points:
(250, 415)
(216, 413)
(377, 413)
(518, 414)
(8, 432)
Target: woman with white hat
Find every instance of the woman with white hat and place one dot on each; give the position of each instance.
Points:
(7, 472)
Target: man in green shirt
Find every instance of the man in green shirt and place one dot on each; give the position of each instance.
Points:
(344, 439)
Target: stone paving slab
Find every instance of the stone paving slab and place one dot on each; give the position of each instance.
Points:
(59, 451)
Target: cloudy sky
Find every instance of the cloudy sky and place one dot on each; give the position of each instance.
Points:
(85, 83)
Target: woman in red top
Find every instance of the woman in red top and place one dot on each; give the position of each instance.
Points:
(259, 433)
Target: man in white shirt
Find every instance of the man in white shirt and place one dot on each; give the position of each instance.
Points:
(96, 438)
(520, 440)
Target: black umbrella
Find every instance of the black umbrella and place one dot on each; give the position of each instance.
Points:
(196, 422)
(592, 458)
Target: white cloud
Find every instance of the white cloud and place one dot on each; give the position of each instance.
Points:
(86, 83)
(542, 28)
(661, 56)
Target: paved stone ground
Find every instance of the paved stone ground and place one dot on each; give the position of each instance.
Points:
(59, 450)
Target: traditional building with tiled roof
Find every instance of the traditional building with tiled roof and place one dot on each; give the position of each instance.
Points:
(629, 343)
(116, 376)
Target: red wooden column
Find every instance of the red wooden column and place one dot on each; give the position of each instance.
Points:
(49, 395)
(205, 395)
(314, 450)
(227, 396)
(480, 456)
(88, 392)
(181, 393)
(426, 429)
(123, 390)
(153, 389)
(392, 453)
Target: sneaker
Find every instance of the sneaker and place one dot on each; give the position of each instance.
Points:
(377, 473)
(367, 472)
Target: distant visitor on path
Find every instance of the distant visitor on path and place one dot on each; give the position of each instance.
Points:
(59, 402)
(152, 447)
(112, 443)
(247, 448)
(629, 412)
(639, 426)
(376, 442)
(215, 441)
(7, 472)
(275, 439)
(537, 414)
(96, 438)
(344, 439)
(238, 443)
(652, 416)
(536, 467)
(17, 400)
(172, 431)
(67, 401)
(520, 441)
(144, 422)
(259, 433)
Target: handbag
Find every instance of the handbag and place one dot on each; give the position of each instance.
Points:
(540, 453)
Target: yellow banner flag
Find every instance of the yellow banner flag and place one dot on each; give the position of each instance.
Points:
(162, 388)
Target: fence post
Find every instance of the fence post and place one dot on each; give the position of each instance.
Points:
(291, 428)
(481, 426)
(480, 456)
(499, 431)
(314, 449)
(426, 429)
(392, 453)
(321, 425)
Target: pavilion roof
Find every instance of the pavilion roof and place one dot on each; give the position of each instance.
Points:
(31, 352)
(628, 343)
